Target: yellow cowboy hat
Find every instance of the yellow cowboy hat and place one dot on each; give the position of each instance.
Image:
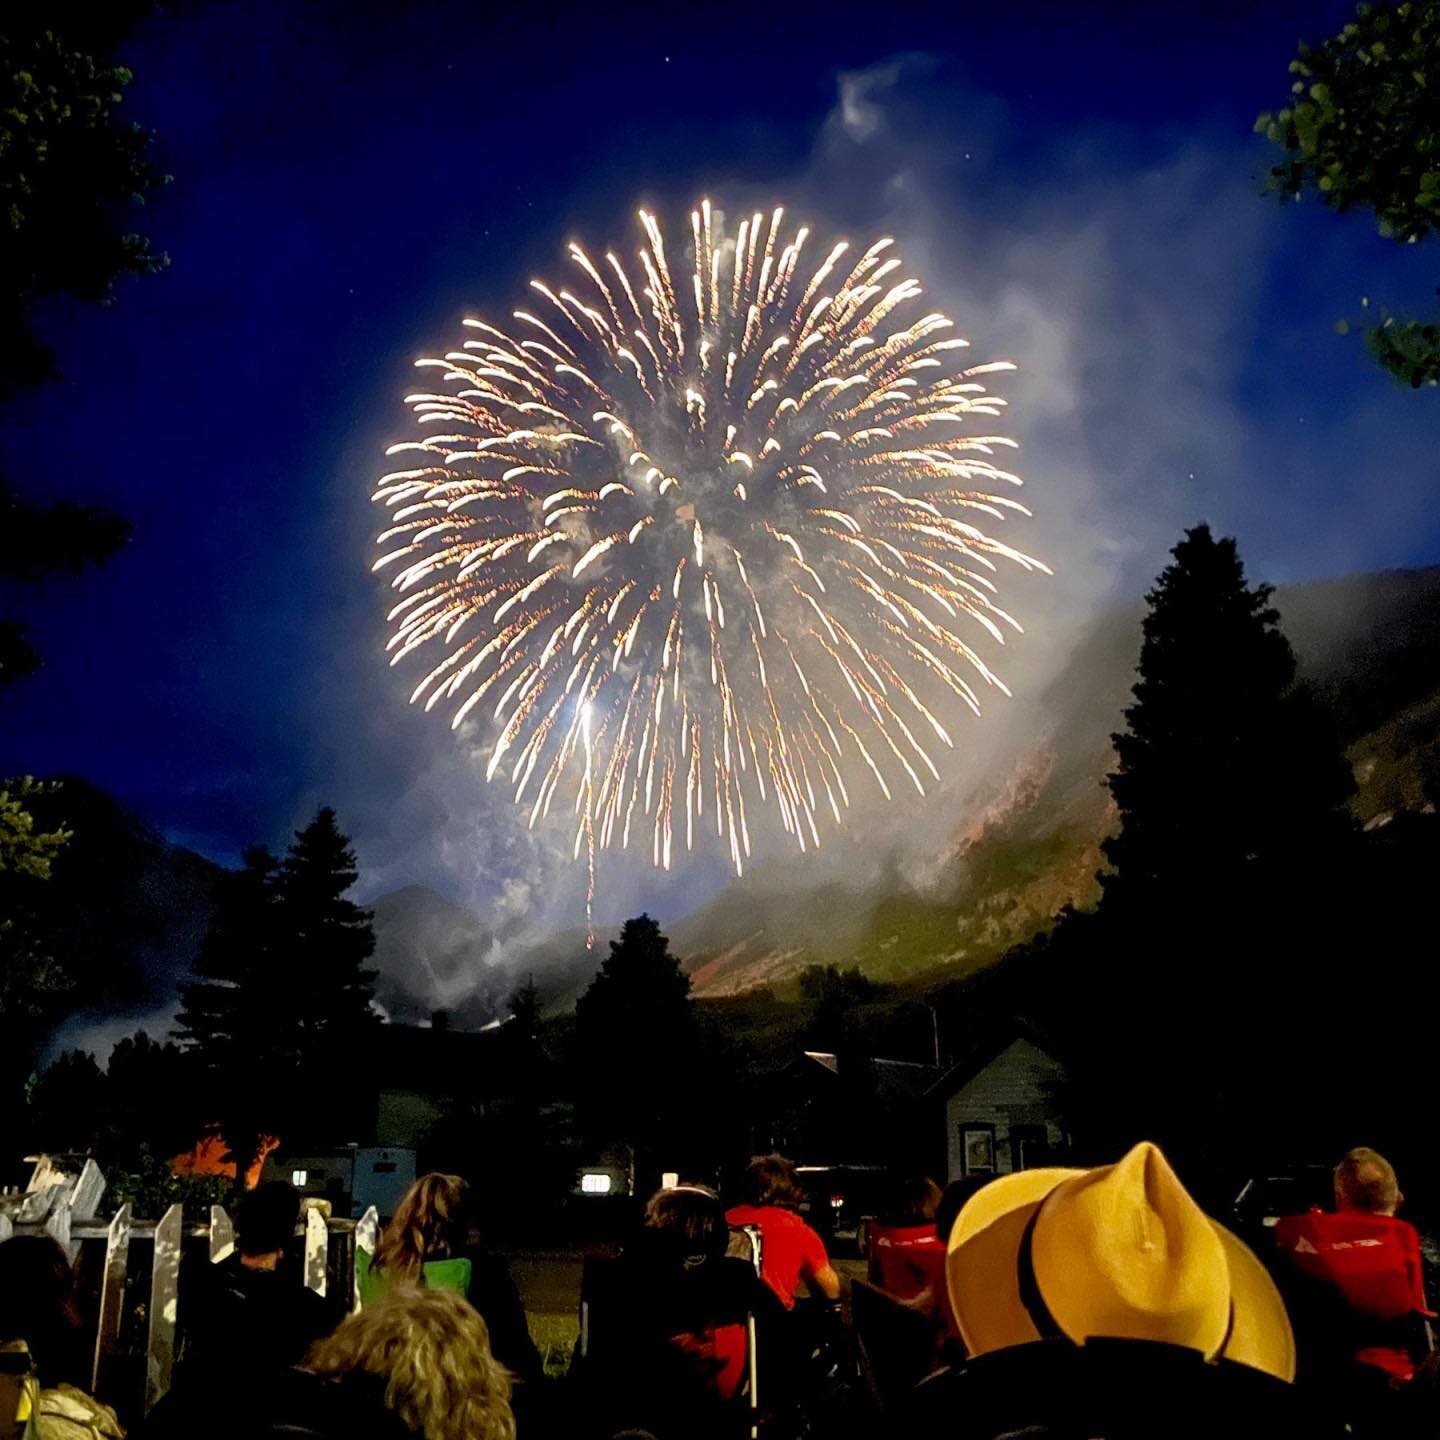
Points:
(1119, 1251)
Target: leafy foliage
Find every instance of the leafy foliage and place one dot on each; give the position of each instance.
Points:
(69, 169)
(33, 982)
(1363, 131)
(23, 849)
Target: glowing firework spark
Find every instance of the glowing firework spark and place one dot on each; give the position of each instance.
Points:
(705, 539)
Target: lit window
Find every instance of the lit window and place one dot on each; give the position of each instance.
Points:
(593, 1184)
(670, 1179)
(299, 1177)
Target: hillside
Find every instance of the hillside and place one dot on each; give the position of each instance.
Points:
(132, 907)
(1370, 645)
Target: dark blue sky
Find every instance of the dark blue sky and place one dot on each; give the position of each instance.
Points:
(1078, 182)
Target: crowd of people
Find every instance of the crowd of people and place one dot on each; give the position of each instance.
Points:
(1046, 1303)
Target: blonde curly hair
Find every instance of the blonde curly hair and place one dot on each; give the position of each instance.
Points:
(432, 1350)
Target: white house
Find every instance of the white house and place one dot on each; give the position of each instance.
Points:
(1002, 1110)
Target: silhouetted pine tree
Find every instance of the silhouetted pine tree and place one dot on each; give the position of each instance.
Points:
(233, 1010)
(1226, 765)
(279, 1008)
(634, 1040)
(326, 940)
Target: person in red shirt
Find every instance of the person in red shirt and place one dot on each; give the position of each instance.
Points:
(791, 1253)
(906, 1253)
(1357, 1292)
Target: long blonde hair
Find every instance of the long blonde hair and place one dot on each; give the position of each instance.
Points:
(432, 1350)
(430, 1223)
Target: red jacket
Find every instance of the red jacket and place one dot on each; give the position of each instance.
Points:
(1372, 1264)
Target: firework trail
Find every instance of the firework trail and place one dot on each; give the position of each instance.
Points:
(700, 540)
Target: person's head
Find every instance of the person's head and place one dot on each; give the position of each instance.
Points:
(1366, 1181)
(265, 1221)
(431, 1222)
(688, 1221)
(915, 1200)
(432, 1352)
(773, 1180)
(37, 1303)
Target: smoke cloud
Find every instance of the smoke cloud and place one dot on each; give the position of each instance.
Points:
(1131, 290)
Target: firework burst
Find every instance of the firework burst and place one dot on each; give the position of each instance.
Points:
(706, 538)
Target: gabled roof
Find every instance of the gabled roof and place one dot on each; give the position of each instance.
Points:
(983, 1050)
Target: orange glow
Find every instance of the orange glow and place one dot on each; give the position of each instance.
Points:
(211, 1156)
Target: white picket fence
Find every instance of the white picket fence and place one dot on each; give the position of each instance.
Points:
(64, 1205)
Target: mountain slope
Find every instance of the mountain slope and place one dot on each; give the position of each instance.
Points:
(1369, 644)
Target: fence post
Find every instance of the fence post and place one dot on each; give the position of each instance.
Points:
(81, 1204)
(164, 1289)
(57, 1227)
(112, 1291)
(222, 1235)
(317, 1250)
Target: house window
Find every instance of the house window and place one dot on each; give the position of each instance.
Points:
(594, 1183)
(977, 1149)
(1029, 1146)
(298, 1178)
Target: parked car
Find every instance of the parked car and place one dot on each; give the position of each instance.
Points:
(1263, 1199)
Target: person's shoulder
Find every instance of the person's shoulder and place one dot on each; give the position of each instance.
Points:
(305, 1406)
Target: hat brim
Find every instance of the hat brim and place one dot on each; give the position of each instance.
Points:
(980, 1270)
(983, 1278)
(1260, 1333)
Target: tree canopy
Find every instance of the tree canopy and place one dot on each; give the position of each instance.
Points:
(1362, 131)
(71, 170)
(1226, 764)
(280, 996)
(634, 1039)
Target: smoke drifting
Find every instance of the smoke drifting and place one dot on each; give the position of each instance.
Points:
(1131, 290)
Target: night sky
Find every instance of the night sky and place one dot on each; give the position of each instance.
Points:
(1078, 184)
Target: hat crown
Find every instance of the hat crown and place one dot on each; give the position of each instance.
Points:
(1124, 1251)
(1121, 1251)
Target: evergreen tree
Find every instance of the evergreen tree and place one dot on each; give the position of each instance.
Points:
(326, 940)
(1227, 769)
(281, 999)
(70, 1104)
(634, 1040)
(233, 1010)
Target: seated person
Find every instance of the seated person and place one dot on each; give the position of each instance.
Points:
(669, 1325)
(414, 1365)
(906, 1252)
(791, 1253)
(1355, 1279)
(38, 1315)
(432, 1240)
(246, 1319)
(1105, 1305)
(251, 1312)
